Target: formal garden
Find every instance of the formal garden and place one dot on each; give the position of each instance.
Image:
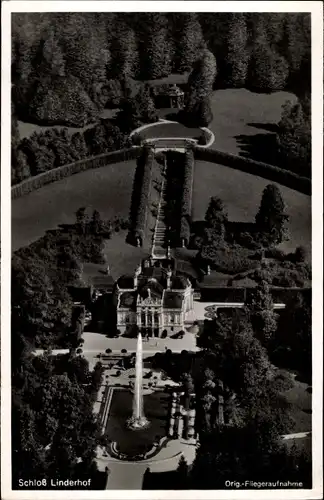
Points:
(135, 444)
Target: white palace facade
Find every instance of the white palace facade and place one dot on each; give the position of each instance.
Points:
(153, 299)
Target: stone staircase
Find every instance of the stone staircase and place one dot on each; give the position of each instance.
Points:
(158, 246)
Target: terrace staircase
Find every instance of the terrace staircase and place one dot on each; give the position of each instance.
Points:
(158, 247)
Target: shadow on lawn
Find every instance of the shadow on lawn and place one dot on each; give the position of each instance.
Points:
(269, 127)
(259, 147)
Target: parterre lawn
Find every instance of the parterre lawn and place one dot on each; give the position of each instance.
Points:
(241, 194)
(170, 130)
(107, 189)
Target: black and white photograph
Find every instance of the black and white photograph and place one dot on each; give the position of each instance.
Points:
(162, 250)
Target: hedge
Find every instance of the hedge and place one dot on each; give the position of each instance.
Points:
(187, 183)
(141, 192)
(241, 294)
(184, 230)
(271, 172)
(188, 173)
(36, 182)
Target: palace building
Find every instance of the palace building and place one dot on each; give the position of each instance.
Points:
(153, 299)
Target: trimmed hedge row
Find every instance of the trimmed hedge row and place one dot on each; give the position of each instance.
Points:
(141, 192)
(241, 294)
(36, 182)
(188, 173)
(276, 174)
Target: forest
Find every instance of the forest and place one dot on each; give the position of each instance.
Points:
(68, 67)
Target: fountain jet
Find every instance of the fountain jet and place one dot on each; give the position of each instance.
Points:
(138, 419)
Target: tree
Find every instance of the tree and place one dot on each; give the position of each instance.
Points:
(51, 55)
(216, 213)
(136, 110)
(216, 218)
(79, 146)
(261, 312)
(294, 137)
(84, 39)
(207, 401)
(21, 167)
(188, 40)
(187, 382)
(251, 450)
(292, 343)
(61, 100)
(271, 218)
(155, 48)
(124, 49)
(295, 44)
(96, 222)
(237, 56)
(81, 219)
(182, 474)
(202, 114)
(201, 80)
(268, 70)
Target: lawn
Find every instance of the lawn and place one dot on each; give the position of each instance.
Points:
(26, 129)
(121, 257)
(107, 189)
(141, 441)
(239, 115)
(170, 130)
(241, 194)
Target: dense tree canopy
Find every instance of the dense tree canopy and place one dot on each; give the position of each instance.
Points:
(54, 426)
(294, 137)
(237, 55)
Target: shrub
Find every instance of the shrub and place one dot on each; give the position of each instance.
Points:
(248, 240)
(164, 334)
(108, 351)
(124, 351)
(203, 138)
(275, 253)
(112, 93)
(79, 351)
(136, 139)
(118, 373)
(231, 261)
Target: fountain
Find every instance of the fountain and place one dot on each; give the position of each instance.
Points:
(138, 421)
